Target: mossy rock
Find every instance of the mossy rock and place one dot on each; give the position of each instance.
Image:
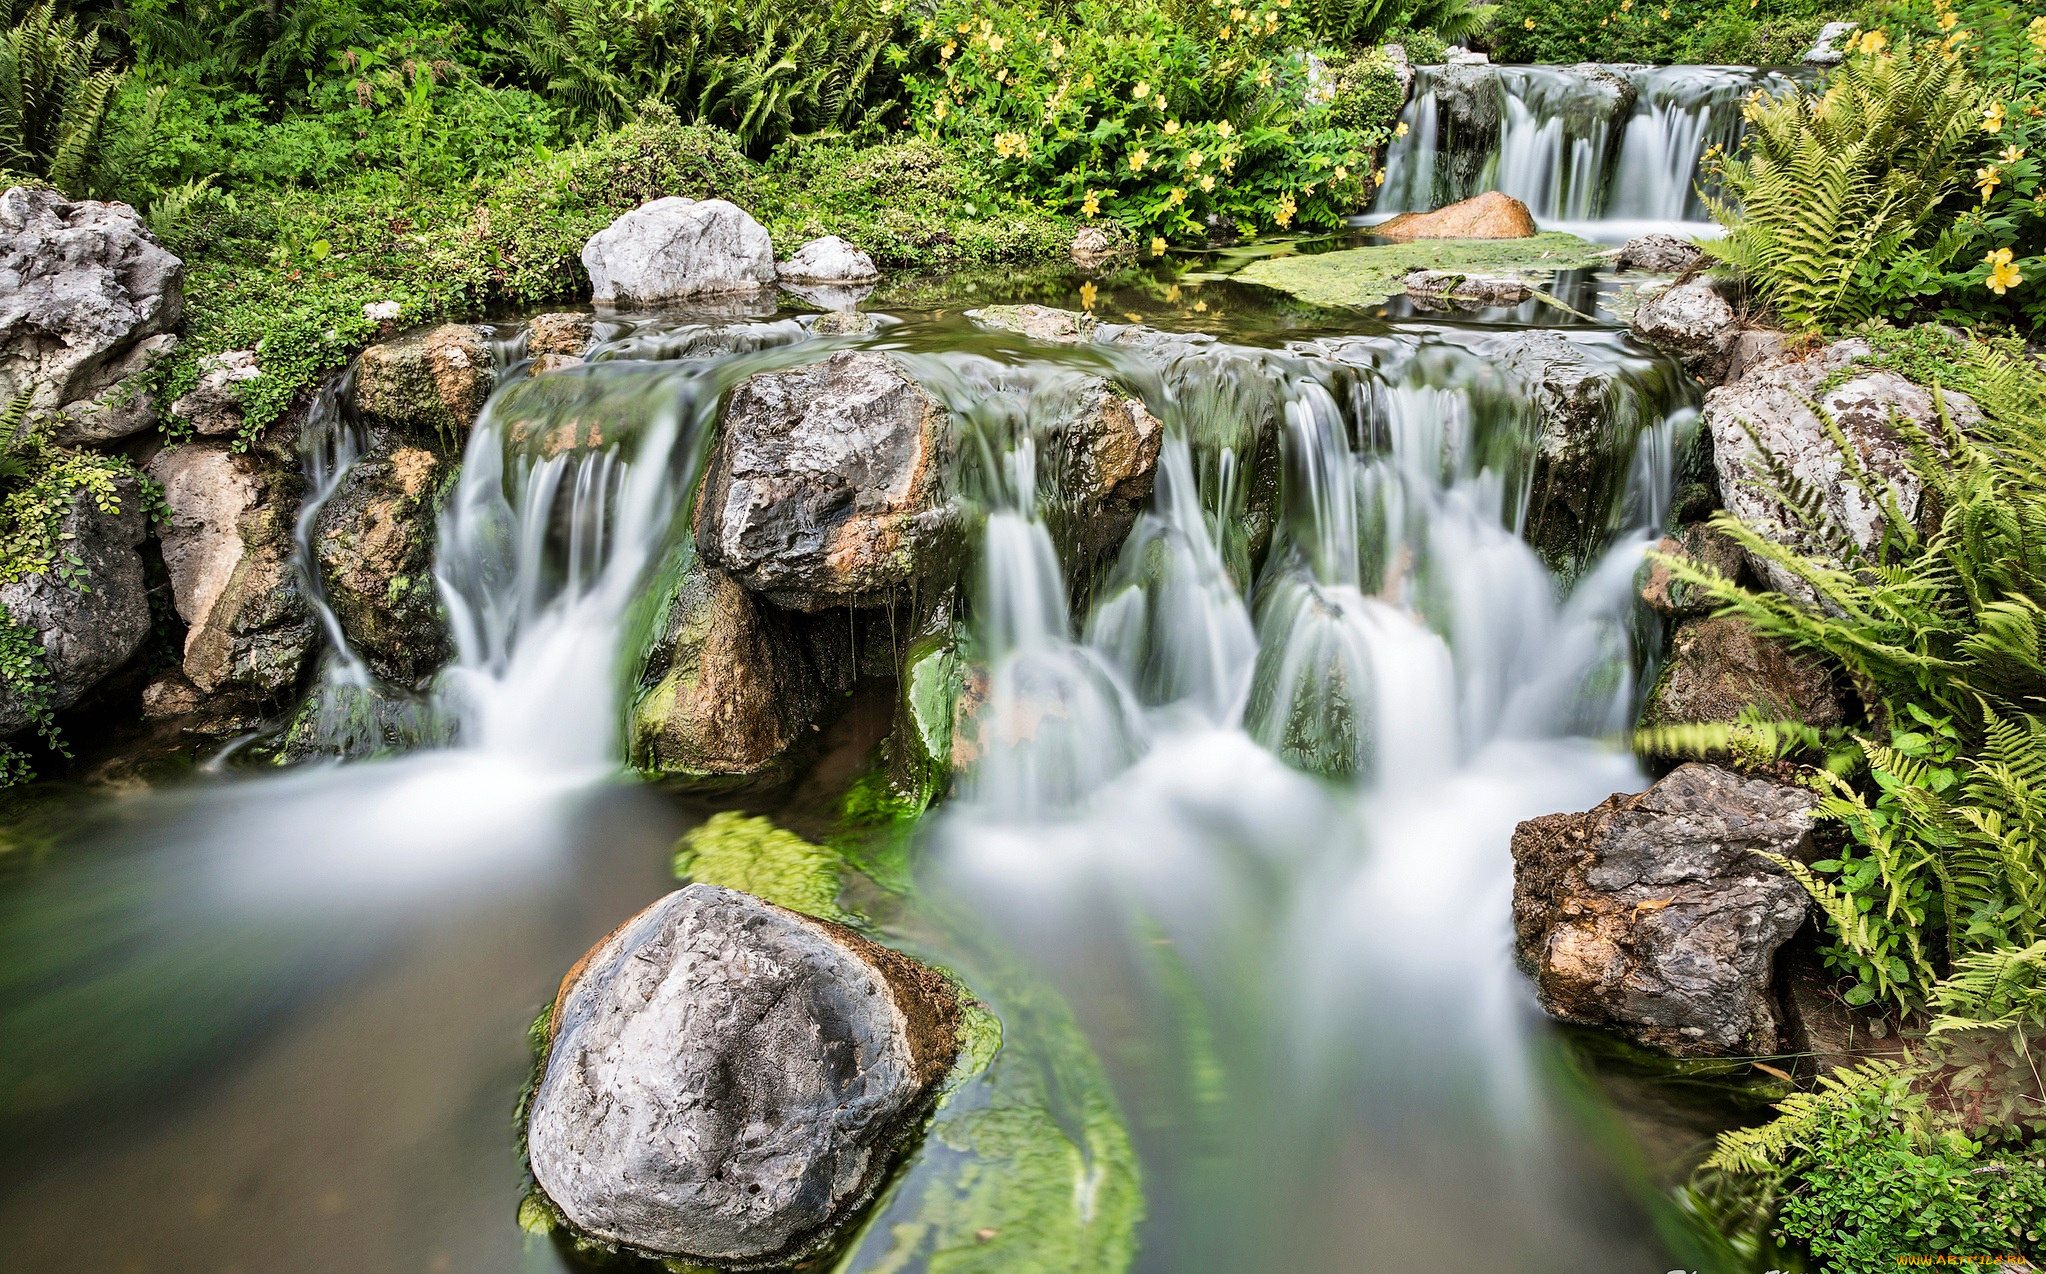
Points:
(1360, 278)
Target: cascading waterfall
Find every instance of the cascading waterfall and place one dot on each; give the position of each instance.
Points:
(1568, 143)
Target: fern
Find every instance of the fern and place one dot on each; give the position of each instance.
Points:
(54, 98)
(1831, 184)
(1993, 990)
(1766, 1150)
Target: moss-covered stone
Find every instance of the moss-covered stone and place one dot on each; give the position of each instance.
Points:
(1365, 277)
(756, 857)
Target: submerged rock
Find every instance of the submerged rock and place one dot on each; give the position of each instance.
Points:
(1655, 916)
(828, 260)
(1694, 323)
(1480, 290)
(727, 1080)
(1717, 668)
(1659, 254)
(87, 299)
(1491, 215)
(674, 248)
(727, 690)
(93, 620)
(1772, 406)
(567, 335)
(431, 383)
(1038, 322)
(1094, 247)
(1367, 276)
(823, 489)
(374, 540)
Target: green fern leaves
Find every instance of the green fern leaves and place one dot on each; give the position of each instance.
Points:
(54, 97)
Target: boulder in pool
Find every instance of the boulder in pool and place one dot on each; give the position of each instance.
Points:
(727, 1080)
(1659, 254)
(828, 260)
(1488, 216)
(1695, 324)
(675, 248)
(1659, 915)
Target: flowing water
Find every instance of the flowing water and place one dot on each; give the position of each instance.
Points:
(1231, 868)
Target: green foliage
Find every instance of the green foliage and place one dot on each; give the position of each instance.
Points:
(54, 94)
(756, 857)
(1155, 120)
(761, 71)
(1360, 23)
(1661, 31)
(1829, 205)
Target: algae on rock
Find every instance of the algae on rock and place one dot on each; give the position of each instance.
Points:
(1365, 277)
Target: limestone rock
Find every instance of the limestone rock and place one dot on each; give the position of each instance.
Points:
(1650, 915)
(552, 363)
(1755, 349)
(83, 288)
(1826, 51)
(1672, 598)
(674, 248)
(1659, 254)
(1038, 322)
(1107, 452)
(828, 260)
(1437, 286)
(1718, 667)
(208, 491)
(374, 541)
(559, 334)
(94, 623)
(1487, 216)
(823, 488)
(1571, 396)
(121, 410)
(170, 695)
(1694, 323)
(254, 639)
(431, 384)
(1772, 401)
(845, 323)
(727, 1081)
(1471, 101)
(213, 406)
(727, 690)
(1094, 247)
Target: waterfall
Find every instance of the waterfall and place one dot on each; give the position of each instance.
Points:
(1605, 151)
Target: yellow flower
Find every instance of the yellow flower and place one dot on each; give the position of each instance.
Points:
(1342, 173)
(1139, 159)
(926, 31)
(1087, 80)
(1222, 129)
(1237, 15)
(1626, 6)
(1282, 216)
(1874, 42)
(1378, 177)
(1058, 49)
(2037, 29)
(1271, 18)
(1176, 196)
(1529, 24)
(1002, 76)
(1141, 91)
(1226, 164)
(1087, 294)
(1264, 77)
(1091, 205)
(1992, 119)
(1157, 246)
(1200, 307)
(938, 111)
(1401, 131)
(1987, 180)
(1285, 4)
(1665, 15)
(1171, 127)
(1172, 295)
(1948, 19)
(1208, 182)
(1193, 159)
(2003, 276)
(1224, 33)
(951, 47)
(964, 27)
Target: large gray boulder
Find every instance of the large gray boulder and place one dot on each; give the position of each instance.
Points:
(87, 299)
(1106, 455)
(1657, 915)
(94, 621)
(674, 248)
(1470, 99)
(726, 1080)
(727, 692)
(213, 406)
(1693, 322)
(228, 547)
(1571, 395)
(823, 489)
(1772, 406)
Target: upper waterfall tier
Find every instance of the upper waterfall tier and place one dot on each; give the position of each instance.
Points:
(1606, 151)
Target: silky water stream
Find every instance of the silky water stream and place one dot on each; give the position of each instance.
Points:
(1231, 867)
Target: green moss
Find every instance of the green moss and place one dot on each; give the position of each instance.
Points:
(1364, 277)
(756, 857)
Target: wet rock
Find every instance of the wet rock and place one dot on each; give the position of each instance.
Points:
(845, 323)
(828, 260)
(207, 490)
(1659, 254)
(253, 641)
(727, 1081)
(374, 540)
(1772, 402)
(1437, 286)
(1571, 398)
(1094, 247)
(552, 363)
(1717, 668)
(1038, 322)
(1610, 94)
(1826, 50)
(727, 691)
(1487, 216)
(83, 290)
(1107, 453)
(673, 248)
(1653, 915)
(1694, 323)
(1670, 597)
(213, 406)
(435, 383)
(1470, 101)
(170, 695)
(92, 623)
(830, 296)
(567, 334)
(823, 488)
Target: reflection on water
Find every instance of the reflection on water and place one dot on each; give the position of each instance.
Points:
(1248, 817)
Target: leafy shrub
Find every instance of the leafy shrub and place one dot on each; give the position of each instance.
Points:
(1661, 31)
(54, 93)
(1122, 112)
(1830, 204)
(1361, 23)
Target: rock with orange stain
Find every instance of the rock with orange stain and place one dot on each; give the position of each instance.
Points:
(1659, 915)
(823, 489)
(434, 383)
(1487, 216)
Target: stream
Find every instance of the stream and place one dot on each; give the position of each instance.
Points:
(1231, 866)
